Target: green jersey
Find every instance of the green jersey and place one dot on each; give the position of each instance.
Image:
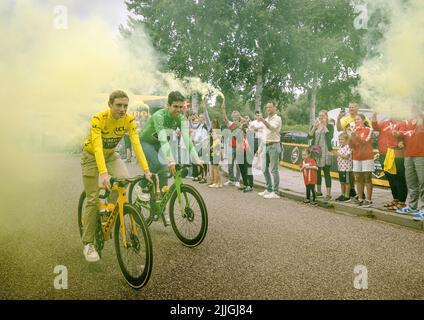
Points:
(155, 132)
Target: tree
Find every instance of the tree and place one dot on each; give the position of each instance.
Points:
(257, 50)
(231, 44)
(326, 47)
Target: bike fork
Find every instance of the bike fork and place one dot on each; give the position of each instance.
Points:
(178, 183)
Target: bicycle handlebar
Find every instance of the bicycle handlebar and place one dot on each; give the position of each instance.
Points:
(121, 183)
(181, 167)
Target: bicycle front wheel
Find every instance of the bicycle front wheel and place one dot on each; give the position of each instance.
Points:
(189, 219)
(135, 259)
(142, 205)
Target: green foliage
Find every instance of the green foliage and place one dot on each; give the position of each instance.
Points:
(293, 44)
(296, 127)
(296, 111)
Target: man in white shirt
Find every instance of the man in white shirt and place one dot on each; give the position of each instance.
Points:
(258, 127)
(271, 143)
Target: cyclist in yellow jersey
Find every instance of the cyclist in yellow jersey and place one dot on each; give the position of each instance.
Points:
(100, 157)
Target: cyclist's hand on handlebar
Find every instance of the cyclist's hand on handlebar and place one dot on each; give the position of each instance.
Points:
(105, 177)
(148, 175)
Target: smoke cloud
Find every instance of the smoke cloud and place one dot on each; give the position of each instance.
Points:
(393, 79)
(57, 69)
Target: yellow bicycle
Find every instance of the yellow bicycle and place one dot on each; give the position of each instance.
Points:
(133, 244)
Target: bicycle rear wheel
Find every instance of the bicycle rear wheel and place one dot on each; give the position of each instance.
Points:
(142, 206)
(98, 238)
(81, 205)
(191, 223)
(136, 260)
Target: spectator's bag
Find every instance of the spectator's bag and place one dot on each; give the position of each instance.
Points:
(389, 161)
(257, 163)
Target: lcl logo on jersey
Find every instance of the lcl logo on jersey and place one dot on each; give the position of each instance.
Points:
(119, 130)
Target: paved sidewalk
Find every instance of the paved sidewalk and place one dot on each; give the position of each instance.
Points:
(292, 186)
(292, 180)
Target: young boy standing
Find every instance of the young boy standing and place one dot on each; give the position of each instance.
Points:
(309, 169)
(344, 164)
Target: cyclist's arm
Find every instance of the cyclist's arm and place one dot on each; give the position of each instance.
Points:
(135, 141)
(96, 140)
(159, 126)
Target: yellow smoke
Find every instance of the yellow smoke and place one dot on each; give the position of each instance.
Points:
(53, 79)
(196, 85)
(55, 76)
(393, 80)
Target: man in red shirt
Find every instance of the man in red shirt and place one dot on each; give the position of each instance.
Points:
(387, 140)
(411, 133)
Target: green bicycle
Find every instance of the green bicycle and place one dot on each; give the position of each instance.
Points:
(187, 210)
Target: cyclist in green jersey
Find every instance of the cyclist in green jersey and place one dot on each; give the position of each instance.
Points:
(154, 137)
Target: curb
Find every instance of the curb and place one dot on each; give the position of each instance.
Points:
(336, 207)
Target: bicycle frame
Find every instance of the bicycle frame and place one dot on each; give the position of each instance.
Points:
(158, 207)
(110, 222)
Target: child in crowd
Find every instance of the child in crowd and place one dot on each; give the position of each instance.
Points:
(309, 169)
(216, 155)
(344, 164)
(243, 147)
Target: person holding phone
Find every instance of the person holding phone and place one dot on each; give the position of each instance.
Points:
(321, 134)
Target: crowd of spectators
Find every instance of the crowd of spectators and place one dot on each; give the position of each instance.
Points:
(240, 143)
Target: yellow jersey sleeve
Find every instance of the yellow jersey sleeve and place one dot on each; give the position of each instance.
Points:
(97, 143)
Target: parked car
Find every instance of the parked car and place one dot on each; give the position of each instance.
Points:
(299, 137)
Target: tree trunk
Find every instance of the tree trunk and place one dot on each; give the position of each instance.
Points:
(259, 83)
(313, 104)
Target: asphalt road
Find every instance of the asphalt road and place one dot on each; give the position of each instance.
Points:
(254, 249)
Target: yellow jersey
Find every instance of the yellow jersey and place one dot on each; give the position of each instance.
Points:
(105, 134)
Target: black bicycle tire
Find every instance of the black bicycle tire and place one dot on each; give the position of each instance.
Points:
(204, 213)
(143, 279)
(80, 208)
(98, 243)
